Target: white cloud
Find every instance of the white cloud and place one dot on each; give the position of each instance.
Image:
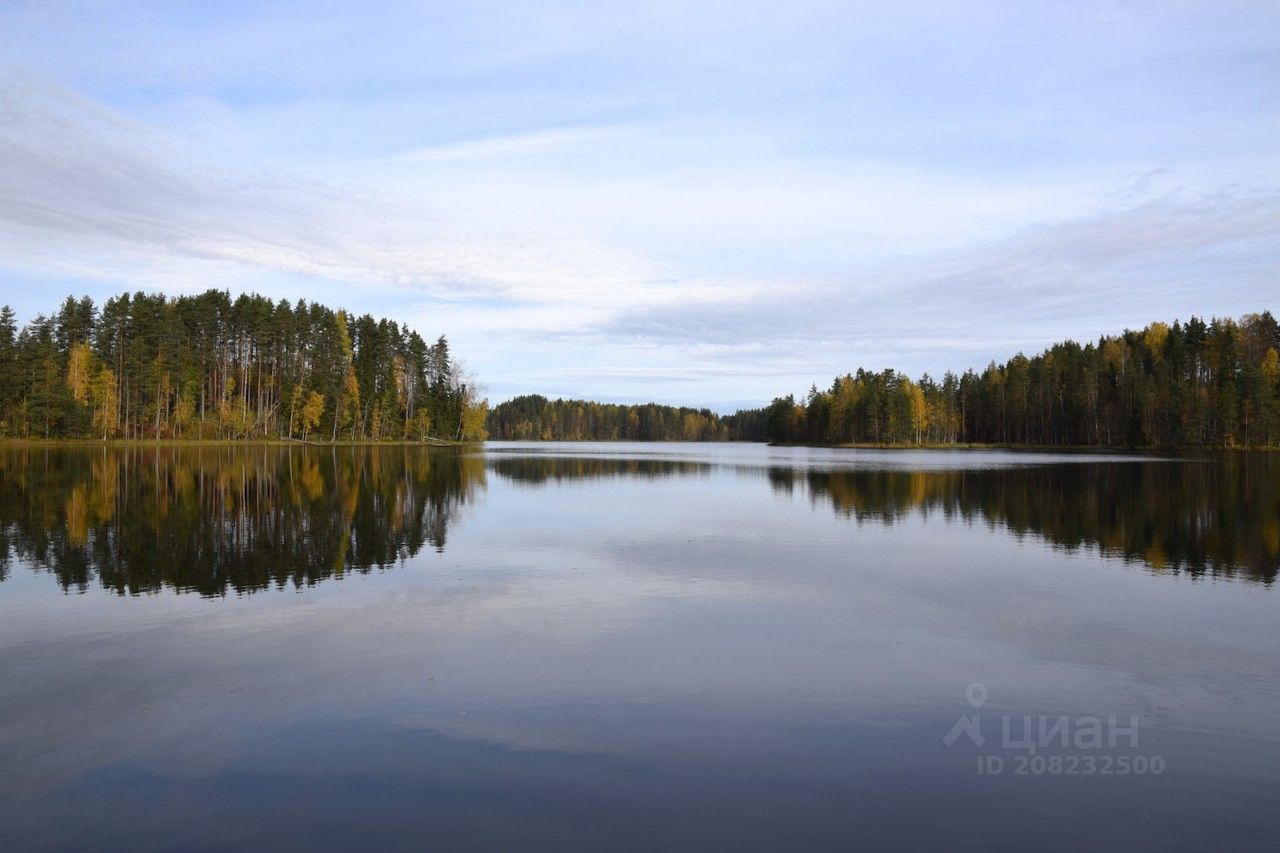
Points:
(604, 204)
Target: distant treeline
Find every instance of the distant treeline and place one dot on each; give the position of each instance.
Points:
(534, 417)
(1213, 383)
(1198, 383)
(208, 366)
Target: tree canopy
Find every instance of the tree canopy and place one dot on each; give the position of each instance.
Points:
(1198, 383)
(209, 366)
(535, 417)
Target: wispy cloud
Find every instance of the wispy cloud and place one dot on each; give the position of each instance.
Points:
(1169, 257)
(696, 204)
(86, 191)
(508, 145)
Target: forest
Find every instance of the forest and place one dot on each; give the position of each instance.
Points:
(1192, 384)
(212, 367)
(209, 366)
(534, 417)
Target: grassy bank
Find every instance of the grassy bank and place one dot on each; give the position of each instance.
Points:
(222, 442)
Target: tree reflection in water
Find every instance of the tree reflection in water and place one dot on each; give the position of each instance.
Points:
(245, 518)
(214, 519)
(1216, 516)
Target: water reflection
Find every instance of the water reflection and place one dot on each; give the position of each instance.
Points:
(1216, 517)
(219, 519)
(214, 519)
(536, 470)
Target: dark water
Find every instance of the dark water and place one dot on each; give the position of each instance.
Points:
(637, 647)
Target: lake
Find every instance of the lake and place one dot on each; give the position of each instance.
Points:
(637, 647)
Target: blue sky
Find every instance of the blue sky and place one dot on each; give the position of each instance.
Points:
(706, 203)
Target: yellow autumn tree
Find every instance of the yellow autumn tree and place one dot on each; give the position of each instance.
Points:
(350, 414)
(1270, 367)
(1154, 337)
(474, 415)
(311, 413)
(918, 409)
(106, 403)
(80, 372)
(184, 409)
(295, 409)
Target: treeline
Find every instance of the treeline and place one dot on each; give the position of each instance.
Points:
(210, 367)
(534, 417)
(1208, 384)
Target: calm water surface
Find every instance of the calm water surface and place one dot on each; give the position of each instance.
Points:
(593, 647)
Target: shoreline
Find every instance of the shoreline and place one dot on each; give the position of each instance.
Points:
(284, 442)
(1040, 448)
(226, 442)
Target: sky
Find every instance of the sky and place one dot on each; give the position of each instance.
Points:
(708, 203)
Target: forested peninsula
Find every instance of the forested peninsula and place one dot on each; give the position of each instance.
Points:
(212, 367)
